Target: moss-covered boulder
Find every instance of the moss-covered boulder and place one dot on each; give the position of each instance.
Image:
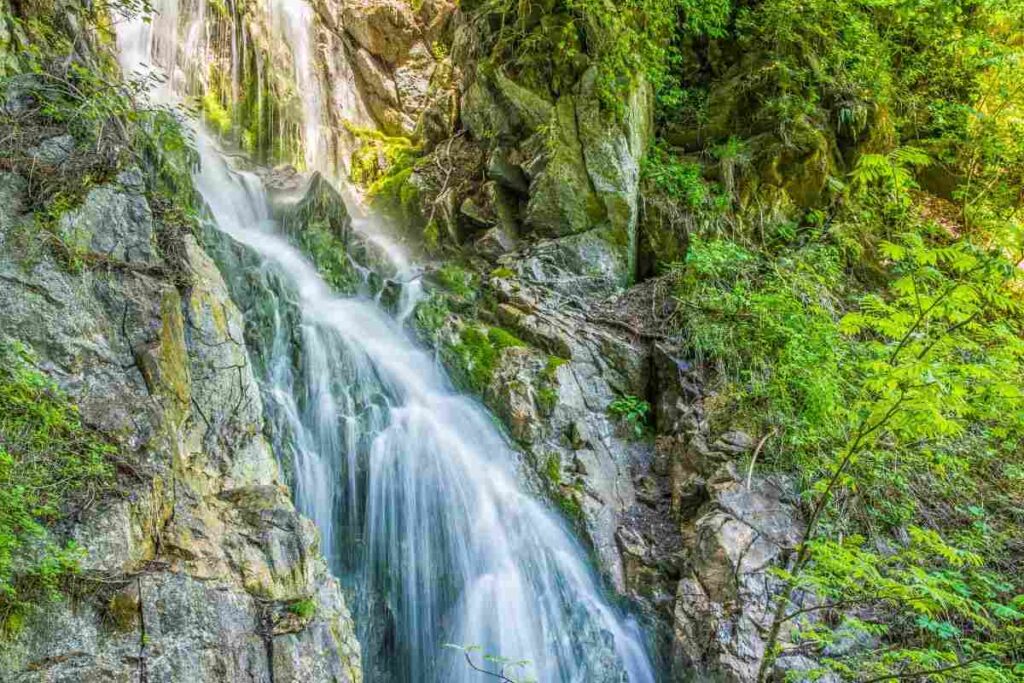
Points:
(591, 175)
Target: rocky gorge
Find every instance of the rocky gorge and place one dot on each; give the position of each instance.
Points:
(390, 352)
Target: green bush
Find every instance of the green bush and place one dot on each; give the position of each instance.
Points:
(549, 50)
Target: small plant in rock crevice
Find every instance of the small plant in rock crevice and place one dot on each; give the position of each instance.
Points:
(633, 411)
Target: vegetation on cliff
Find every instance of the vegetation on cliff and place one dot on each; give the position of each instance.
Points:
(69, 124)
(850, 173)
(49, 463)
(833, 194)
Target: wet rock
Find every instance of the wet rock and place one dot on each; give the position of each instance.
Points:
(584, 265)
(480, 216)
(495, 106)
(592, 172)
(53, 151)
(205, 538)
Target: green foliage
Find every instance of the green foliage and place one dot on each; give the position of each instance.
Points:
(80, 91)
(551, 48)
(679, 180)
(553, 470)
(936, 370)
(893, 171)
(48, 459)
(769, 327)
(882, 352)
(304, 609)
(633, 411)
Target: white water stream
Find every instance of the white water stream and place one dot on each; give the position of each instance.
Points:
(415, 491)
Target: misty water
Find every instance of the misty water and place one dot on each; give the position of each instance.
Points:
(422, 512)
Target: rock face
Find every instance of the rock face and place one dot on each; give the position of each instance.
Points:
(201, 570)
(390, 47)
(671, 522)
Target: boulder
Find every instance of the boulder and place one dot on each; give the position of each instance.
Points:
(724, 606)
(591, 171)
(114, 221)
(413, 79)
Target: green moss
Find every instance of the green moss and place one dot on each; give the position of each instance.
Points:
(564, 495)
(553, 470)
(457, 280)
(328, 253)
(219, 7)
(502, 273)
(390, 193)
(431, 314)
(432, 235)
(547, 399)
(547, 392)
(569, 504)
(503, 339)
(123, 611)
(48, 461)
(70, 247)
(215, 114)
(378, 156)
(550, 372)
(304, 609)
(478, 351)
(477, 356)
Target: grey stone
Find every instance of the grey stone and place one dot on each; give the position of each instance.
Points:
(53, 151)
(385, 28)
(114, 221)
(495, 243)
(205, 540)
(507, 174)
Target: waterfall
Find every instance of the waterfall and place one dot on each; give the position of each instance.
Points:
(416, 492)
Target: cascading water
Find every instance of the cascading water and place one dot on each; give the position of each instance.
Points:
(414, 489)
